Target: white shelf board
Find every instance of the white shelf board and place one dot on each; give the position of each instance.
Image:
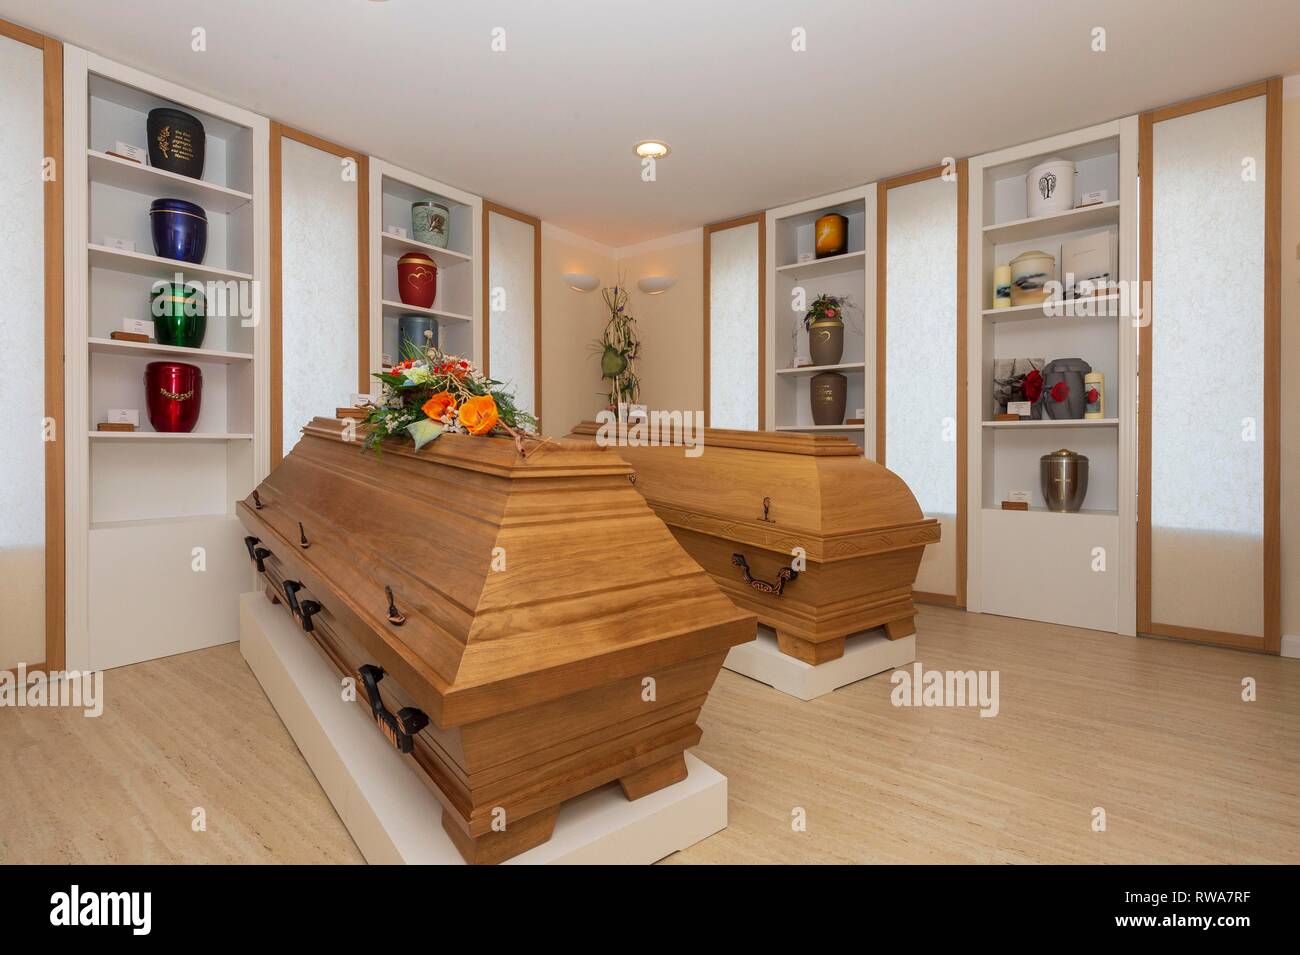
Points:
(162, 521)
(1073, 220)
(153, 266)
(831, 265)
(1102, 306)
(1040, 509)
(851, 367)
(165, 436)
(109, 346)
(446, 258)
(148, 181)
(393, 309)
(820, 427)
(1048, 423)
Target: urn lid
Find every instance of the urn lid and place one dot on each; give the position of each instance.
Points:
(1031, 256)
(178, 205)
(1066, 364)
(429, 202)
(417, 258)
(172, 368)
(1064, 454)
(172, 115)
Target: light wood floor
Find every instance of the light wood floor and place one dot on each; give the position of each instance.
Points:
(1153, 732)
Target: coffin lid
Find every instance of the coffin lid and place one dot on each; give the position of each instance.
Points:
(822, 494)
(589, 586)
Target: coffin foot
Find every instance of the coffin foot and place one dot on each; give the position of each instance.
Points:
(897, 629)
(654, 778)
(493, 847)
(809, 651)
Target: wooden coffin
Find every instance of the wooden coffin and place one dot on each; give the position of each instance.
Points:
(744, 504)
(545, 634)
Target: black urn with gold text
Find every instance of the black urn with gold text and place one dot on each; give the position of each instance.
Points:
(176, 142)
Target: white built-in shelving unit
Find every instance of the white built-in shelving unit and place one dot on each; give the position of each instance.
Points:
(155, 556)
(853, 273)
(1077, 568)
(458, 305)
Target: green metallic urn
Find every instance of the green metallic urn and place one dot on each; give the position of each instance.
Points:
(179, 315)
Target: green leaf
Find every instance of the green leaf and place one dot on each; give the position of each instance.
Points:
(424, 431)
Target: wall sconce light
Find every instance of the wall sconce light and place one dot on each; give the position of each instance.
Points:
(656, 284)
(580, 281)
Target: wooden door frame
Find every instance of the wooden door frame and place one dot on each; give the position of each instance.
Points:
(280, 132)
(489, 207)
(55, 450)
(1271, 640)
(760, 219)
(957, 599)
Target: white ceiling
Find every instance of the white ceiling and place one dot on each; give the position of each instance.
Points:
(548, 125)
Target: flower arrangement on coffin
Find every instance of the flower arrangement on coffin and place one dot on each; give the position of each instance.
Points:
(431, 393)
(618, 347)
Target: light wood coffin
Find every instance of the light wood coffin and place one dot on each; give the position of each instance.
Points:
(582, 657)
(744, 504)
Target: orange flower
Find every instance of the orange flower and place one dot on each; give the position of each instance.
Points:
(439, 404)
(478, 415)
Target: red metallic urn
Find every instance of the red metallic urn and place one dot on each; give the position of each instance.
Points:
(173, 392)
(417, 279)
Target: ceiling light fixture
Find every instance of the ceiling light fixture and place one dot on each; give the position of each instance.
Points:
(580, 281)
(652, 149)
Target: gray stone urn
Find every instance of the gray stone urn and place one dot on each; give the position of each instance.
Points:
(1064, 395)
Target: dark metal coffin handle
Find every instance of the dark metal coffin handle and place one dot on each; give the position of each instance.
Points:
(400, 727)
(309, 609)
(257, 500)
(291, 588)
(783, 577)
(257, 554)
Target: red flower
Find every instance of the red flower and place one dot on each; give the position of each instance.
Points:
(1060, 391)
(1092, 396)
(830, 313)
(1033, 386)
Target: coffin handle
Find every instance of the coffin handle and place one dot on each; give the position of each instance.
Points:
(291, 588)
(783, 577)
(309, 609)
(257, 554)
(399, 728)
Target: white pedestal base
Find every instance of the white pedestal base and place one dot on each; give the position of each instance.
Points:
(391, 814)
(865, 654)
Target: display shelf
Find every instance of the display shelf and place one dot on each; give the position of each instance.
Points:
(1006, 573)
(1040, 227)
(1049, 424)
(1043, 509)
(458, 304)
(156, 267)
(1100, 306)
(109, 346)
(392, 309)
(155, 183)
(855, 367)
(164, 436)
(790, 230)
(445, 258)
(831, 265)
(138, 501)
